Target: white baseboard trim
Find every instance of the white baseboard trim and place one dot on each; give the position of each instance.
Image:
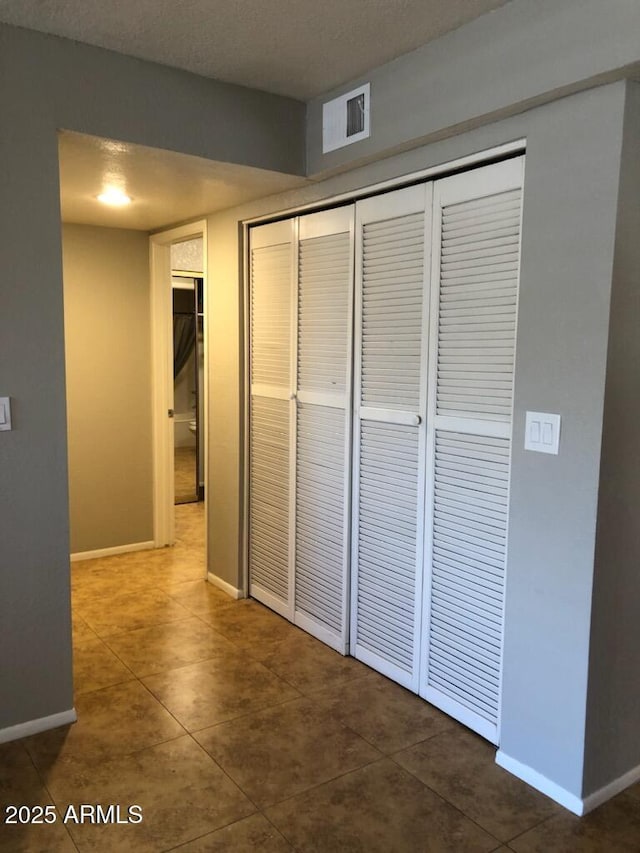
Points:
(577, 805)
(111, 552)
(603, 794)
(34, 727)
(233, 591)
(537, 780)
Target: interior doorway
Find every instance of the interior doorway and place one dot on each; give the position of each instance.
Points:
(179, 365)
(187, 284)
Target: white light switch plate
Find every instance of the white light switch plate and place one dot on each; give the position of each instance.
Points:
(5, 413)
(542, 432)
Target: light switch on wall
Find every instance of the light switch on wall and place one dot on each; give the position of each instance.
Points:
(5, 413)
(542, 432)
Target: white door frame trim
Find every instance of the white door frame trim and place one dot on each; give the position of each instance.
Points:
(440, 170)
(162, 376)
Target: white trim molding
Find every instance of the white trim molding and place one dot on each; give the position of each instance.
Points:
(541, 783)
(162, 375)
(478, 158)
(233, 591)
(112, 551)
(578, 805)
(607, 791)
(42, 724)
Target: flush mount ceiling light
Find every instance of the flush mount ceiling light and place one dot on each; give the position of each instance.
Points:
(114, 197)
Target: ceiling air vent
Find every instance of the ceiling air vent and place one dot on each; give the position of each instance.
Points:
(345, 119)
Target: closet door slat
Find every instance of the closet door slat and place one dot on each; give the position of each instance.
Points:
(271, 286)
(389, 431)
(323, 425)
(476, 239)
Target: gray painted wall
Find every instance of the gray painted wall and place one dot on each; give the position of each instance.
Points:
(570, 205)
(613, 733)
(569, 217)
(108, 366)
(35, 652)
(524, 53)
(47, 83)
(528, 53)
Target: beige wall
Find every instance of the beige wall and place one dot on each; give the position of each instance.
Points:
(108, 363)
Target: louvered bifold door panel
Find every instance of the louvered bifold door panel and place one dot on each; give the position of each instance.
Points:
(272, 285)
(323, 422)
(389, 431)
(475, 271)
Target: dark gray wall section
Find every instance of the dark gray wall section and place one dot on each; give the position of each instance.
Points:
(35, 626)
(96, 91)
(524, 53)
(48, 83)
(569, 218)
(613, 730)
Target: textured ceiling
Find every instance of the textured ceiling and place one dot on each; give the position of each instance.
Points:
(166, 187)
(299, 48)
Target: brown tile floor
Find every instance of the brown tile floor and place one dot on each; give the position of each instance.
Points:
(237, 732)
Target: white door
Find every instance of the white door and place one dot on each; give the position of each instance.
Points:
(475, 271)
(389, 430)
(272, 294)
(323, 424)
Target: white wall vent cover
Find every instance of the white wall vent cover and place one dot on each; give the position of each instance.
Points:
(346, 119)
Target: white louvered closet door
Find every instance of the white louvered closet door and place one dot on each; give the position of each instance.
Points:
(272, 292)
(323, 424)
(475, 271)
(389, 431)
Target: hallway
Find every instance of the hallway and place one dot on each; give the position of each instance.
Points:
(236, 731)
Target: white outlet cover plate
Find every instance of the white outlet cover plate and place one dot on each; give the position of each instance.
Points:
(542, 432)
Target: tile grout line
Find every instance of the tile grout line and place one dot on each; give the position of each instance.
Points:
(379, 757)
(59, 810)
(288, 840)
(314, 787)
(105, 637)
(442, 796)
(272, 669)
(173, 717)
(248, 654)
(49, 794)
(117, 656)
(282, 833)
(244, 716)
(80, 693)
(220, 722)
(230, 778)
(529, 829)
(166, 669)
(367, 675)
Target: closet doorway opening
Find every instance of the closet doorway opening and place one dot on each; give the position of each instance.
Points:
(179, 396)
